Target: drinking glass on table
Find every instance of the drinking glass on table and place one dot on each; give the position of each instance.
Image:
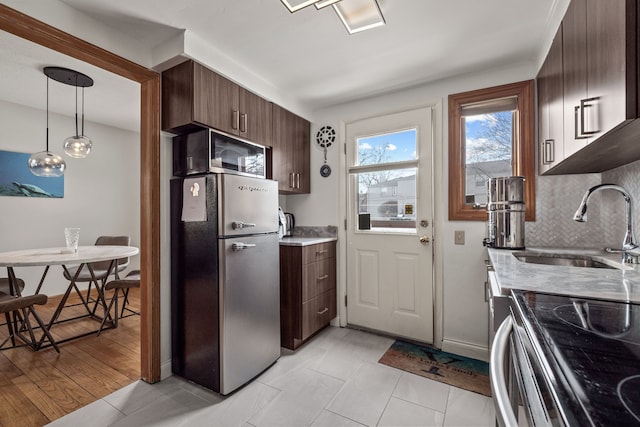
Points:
(71, 237)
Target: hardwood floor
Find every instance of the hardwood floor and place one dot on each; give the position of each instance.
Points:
(37, 387)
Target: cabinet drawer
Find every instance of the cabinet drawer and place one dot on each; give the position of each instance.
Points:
(318, 312)
(318, 252)
(318, 277)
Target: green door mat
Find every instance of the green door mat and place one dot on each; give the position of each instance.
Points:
(459, 371)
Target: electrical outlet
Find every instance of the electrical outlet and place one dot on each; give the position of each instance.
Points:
(458, 237)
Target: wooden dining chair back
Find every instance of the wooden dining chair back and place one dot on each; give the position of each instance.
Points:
(101, 268)
(112, 241)
(22, 308)
(121, 289)
(6, 288)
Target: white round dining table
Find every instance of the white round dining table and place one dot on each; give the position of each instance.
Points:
(47, 257)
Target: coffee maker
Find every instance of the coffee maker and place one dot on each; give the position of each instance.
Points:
(505, 213)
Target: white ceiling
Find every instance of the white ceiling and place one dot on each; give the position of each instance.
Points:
(308, 54)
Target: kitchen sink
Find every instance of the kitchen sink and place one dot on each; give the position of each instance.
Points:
(567, 260)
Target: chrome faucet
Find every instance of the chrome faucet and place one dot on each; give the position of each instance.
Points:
(630, 249)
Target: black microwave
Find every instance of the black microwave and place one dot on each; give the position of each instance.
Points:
(209, 151)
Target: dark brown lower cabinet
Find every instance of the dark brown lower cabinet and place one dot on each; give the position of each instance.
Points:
(307, 291)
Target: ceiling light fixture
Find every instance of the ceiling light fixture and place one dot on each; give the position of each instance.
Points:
(359, 15)
(45, 163)
(324, 3)
(79, 145)
(356, 15)
(296, 5)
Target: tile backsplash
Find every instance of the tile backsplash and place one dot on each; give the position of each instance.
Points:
(558, 197)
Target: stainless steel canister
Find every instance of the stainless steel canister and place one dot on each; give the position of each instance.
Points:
(507, 189)
(505, 212)
(509, 230)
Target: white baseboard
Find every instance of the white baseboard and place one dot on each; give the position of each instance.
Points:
(165, 370)
(466, 349)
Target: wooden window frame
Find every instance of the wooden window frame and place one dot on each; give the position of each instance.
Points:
(523, 159)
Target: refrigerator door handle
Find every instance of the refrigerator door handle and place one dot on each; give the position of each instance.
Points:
(242, 246)
(239, 225)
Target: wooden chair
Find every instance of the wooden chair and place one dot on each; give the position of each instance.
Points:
(21, 308)
(120, 287)
(5, 288)
(100, 269)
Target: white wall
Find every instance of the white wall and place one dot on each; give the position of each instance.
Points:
(460, 268)
(101, 192)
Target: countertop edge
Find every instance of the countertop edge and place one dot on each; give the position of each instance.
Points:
(305, 241)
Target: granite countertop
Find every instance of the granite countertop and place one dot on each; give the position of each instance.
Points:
(305, 241)
(622, 284)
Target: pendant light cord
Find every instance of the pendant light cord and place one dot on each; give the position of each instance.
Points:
(47, 137)
(77, 134)
(82, 110)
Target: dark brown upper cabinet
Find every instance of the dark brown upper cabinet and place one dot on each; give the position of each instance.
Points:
(194, 97)
(600, 74)
(290, 153)
(550, 107)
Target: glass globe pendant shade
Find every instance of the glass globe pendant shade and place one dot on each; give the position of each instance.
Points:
(46, 164)
(78, 146)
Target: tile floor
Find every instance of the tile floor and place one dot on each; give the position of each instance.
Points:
(332, 381)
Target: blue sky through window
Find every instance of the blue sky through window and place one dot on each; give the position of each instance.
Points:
(388, 147)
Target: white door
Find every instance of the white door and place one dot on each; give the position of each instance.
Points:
(389, 224)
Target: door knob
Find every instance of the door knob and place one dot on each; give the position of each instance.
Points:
(424, 240)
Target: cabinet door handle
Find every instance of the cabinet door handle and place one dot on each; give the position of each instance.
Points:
(324, 311)
(291, 180)
(235, 120)
(584, 104)
(576, 119)
(547, 152)
(298, 181)
(326, 276)
(320, 252)
(243, 122)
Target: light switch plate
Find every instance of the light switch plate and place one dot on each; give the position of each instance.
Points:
(458, 238)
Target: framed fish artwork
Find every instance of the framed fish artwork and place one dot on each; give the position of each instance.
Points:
(17, 180)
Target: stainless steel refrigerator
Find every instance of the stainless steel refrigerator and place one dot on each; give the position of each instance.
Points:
(225, 284)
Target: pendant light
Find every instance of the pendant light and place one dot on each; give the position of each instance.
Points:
(46, 163)
(79, 145)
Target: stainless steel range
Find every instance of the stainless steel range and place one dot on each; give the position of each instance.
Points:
(576, 360)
